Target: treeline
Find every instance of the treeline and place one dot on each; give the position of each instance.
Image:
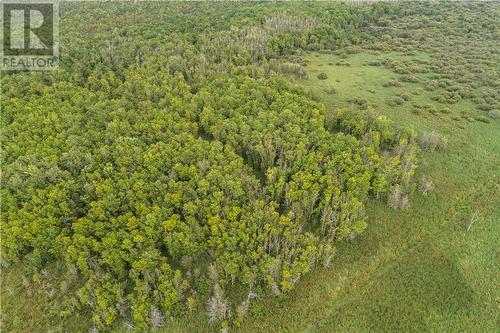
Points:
(170, 168)
(199, 35)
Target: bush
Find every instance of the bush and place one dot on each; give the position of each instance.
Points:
(395, 101)
(430, 108)
(417, 91)
(397, 199)
(431, 86)
(343, 63)
(495, 114)
(448, 97)
(322, 76)
(218, 306)
(434, 111)
(485, 107)
(329, 90)
(392, 83)
(426, 185)
(417, 111)
(405, 96)
(483, 119)
(409, 78)
(429, 141)
(374, 63)
(361, 102)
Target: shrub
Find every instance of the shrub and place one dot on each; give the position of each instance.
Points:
(495, 114)
(485, 107)
(465, 92)
(392, 83)
(483, 119)
(329, 90)
(434, 111)
(374, 63)
(430, 108)
(449, 97)
(394, 197)
(426, 185)
(431, 86)
(397, 199)
(343, 63)
(156, 317)
(417, 111)
(395, 101)
(361, 102)
(315, 96)
(405, 96)
(404, 203)
(322, 76)
(409, 78)
(417, 91)
(429, 140)
(218, 306)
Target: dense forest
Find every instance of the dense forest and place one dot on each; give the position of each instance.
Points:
(173, 164)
